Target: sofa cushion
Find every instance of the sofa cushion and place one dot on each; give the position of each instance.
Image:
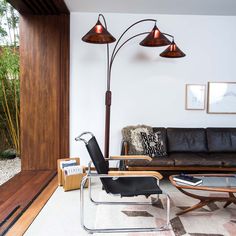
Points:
(155, 162)
(221, 139)
(163, 135)
(186, 140)
(131, 134)
(228, 159)
(195, 159)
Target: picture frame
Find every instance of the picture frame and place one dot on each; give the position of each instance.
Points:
(221, 98)
(195, 96)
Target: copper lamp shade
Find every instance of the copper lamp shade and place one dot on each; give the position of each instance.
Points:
(172, 52)
(155, 39)
(98, 35)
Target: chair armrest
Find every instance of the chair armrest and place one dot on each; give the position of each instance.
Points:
(130, 157)
(154, 174)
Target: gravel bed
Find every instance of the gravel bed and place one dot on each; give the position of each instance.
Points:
(9, 168)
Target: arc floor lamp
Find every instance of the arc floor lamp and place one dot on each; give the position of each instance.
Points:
(155, 38)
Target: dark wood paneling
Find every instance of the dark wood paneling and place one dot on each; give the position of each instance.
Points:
(44, 75)
(40, 7)
(64, 86)
(17, 200)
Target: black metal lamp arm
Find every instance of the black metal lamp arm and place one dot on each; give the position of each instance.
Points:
(108, 53)
(126, 41)
(114, 52)
(168, 35)
(114, 55)
(131, 26)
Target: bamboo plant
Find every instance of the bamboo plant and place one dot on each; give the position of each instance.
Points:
(9, 75)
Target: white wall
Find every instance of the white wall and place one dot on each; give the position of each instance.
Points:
(147, 89)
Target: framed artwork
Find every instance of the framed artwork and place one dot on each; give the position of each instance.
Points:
(195, 97)
(221, 98)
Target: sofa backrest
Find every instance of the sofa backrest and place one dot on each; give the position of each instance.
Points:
(221, 139)
(187, 140)
(213, 140)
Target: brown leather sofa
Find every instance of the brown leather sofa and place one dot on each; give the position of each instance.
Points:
(210, 149)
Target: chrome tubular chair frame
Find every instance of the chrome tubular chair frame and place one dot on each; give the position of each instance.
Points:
(90, 176)
(79, 138)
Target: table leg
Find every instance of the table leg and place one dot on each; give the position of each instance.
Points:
(204, 200)
(227, 204)
(232, 199)
(201, 204)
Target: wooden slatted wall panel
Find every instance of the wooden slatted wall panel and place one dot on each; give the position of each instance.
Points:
(64, 85)
(40, 7)
(44, 74)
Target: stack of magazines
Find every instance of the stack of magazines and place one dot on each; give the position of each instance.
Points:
(70, 167)
(187, 179)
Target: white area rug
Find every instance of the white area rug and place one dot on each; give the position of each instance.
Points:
(208, 221)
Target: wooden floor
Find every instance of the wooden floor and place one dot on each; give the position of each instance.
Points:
(18, 193)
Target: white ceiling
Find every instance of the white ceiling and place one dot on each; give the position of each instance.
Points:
(189, 7)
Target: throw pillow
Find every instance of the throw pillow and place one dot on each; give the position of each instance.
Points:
(132, 134)
(153, 144)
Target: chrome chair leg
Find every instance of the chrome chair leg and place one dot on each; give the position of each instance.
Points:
(155, 200)
(119, 230)
(82, 202)
(90, 192)
(167, 209)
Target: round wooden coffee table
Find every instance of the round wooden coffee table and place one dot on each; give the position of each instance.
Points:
(212, 183)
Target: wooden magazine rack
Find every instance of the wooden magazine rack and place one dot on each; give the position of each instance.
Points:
(69, 182)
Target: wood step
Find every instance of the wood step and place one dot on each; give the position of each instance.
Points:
(18, 193)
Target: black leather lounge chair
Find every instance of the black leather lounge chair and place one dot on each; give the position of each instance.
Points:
(122, 183)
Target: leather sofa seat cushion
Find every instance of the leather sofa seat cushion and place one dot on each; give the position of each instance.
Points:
(195, 159)
(228, 159)
(221, 139)
(186, 140)
(165, 161)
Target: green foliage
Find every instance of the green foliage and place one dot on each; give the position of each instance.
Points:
(9, 95)
(9, 24)
(9, 77)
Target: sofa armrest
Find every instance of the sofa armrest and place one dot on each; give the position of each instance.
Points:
(130, 157)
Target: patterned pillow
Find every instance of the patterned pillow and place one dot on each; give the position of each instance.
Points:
(153, 144)
(132, 134)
